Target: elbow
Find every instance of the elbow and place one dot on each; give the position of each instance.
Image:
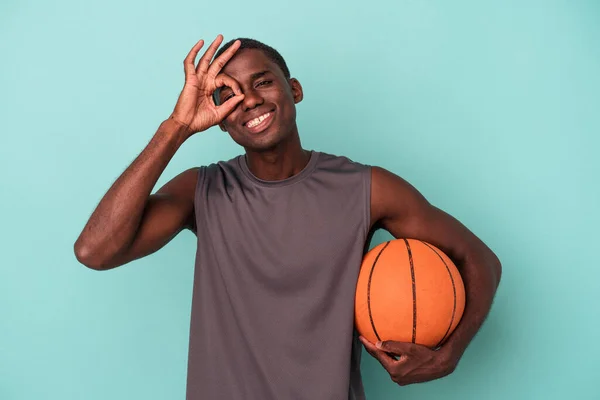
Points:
(497, 268)
(86, 256)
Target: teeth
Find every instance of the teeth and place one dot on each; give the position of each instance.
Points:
(257, 121)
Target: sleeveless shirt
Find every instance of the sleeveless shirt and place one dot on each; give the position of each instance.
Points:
(274, 282)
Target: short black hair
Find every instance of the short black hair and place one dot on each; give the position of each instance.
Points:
(270, 52)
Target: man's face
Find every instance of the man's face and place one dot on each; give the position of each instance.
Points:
(267, 115)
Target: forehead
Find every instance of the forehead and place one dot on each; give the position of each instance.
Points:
(246, 62)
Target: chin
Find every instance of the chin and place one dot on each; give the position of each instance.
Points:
(259, 142)
(261, 145)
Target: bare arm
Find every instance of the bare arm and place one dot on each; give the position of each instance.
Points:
(400, 209)
(129, 223)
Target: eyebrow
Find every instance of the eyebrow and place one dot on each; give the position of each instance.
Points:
(258, 74)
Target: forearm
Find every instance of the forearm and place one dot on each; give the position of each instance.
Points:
(113, 224)
(481, 275)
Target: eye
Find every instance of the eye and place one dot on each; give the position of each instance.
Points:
(230, 95)
(261, 83)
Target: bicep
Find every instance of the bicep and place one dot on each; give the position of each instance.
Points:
(403, 211)
(167, 212)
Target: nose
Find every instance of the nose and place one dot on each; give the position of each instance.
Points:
(251, 99)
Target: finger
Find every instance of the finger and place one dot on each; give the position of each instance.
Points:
(385, 360)
(219, 62)
(368, 345)
(364, 340)
(380, 355)
(226, 80)
(226, 108)
(208, 55)
(189, 61)
(398, 348)
(407, 350)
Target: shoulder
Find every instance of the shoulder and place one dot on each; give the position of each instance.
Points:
(185, 182)
(340, 162)
(182, 185)
(392, 196)
(386, 182)
(218, 168)
(329, 157)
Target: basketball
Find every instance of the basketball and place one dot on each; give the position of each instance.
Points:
(408, 291)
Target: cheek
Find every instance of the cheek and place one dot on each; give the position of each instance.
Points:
(289, 112)
(229, 121)
(286, 102)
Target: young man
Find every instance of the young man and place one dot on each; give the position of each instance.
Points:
(281, 234)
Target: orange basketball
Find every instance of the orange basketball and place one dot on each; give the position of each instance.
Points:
(408, 291)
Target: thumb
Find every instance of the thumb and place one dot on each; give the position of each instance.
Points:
(392, 346)
(226, 108)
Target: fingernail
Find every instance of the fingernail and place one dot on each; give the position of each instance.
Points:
(378, 344)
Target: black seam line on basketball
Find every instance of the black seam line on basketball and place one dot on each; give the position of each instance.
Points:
(414, 291)
(453, 291)
(369, 291)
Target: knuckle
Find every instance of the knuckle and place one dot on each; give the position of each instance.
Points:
(397, 377)
(220, 64)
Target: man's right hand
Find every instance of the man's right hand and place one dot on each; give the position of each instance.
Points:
(195, 108)
(130, 222)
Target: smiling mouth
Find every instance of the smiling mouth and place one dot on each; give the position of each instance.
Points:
(260, 123)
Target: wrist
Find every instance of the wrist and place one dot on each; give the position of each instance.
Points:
(176, 128)
(450, 355)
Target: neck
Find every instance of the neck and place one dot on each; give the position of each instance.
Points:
(280, 162)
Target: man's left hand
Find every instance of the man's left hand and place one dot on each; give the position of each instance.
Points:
(415, 363)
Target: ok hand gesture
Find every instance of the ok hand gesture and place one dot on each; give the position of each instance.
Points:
(195, 108)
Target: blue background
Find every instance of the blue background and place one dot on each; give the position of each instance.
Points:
(491, 109)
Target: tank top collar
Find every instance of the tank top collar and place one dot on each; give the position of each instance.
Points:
(306, 171)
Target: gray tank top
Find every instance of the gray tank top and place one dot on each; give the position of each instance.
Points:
(274, 282)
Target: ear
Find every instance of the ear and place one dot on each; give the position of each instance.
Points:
(297, 91)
